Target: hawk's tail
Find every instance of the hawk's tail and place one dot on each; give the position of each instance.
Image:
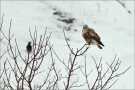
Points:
(99, 47)
(100, 43)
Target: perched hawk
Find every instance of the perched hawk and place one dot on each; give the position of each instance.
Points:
(91, 37)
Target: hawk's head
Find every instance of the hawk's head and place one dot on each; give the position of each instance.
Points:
(85, 26)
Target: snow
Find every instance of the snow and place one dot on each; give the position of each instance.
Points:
(109, 19)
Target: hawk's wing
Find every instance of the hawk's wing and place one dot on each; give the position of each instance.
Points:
(93, 34)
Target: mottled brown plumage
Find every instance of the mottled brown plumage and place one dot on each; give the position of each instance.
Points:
(90, 36)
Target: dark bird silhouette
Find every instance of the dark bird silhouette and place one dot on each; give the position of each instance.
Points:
(29, 47)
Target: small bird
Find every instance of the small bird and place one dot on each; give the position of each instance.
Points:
(29, 47)
(91, 37)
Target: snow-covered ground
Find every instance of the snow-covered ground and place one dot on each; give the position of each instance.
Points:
(109, 19)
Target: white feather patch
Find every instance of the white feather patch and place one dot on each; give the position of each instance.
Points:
(93, 42)
(92, 34)
(84, 31)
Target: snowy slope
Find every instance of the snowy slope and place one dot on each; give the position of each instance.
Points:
(109, 19)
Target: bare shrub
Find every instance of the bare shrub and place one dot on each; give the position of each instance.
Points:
(24, 75)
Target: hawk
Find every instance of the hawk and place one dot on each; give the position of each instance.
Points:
(91, 37)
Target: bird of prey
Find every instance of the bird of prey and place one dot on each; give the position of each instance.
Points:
(29, 47)
(91, 37)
